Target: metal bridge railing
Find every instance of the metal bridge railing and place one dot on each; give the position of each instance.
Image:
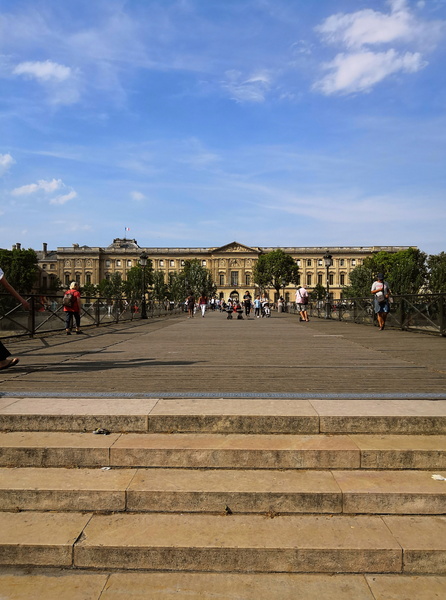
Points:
(47, 314)
(424, 313)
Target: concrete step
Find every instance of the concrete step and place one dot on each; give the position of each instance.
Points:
(231, 451)
(235, 543)
(250, 416)
(215, 491)
(20, 584)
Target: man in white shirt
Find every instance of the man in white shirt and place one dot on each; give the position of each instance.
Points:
(302, 302)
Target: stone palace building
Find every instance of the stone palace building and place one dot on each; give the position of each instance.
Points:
(231, 265)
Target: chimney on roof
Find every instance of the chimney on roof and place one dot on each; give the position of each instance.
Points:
(45, 249)
(18, 246)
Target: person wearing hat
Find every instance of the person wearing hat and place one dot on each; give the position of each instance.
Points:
(381, 291)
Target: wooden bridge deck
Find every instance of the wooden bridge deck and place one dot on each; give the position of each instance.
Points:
(216, 357)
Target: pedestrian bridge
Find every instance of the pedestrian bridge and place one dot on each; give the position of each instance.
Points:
(214, 357)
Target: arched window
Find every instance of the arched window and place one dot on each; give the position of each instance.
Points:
(309, 278)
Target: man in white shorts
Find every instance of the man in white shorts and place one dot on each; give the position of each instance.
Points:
(302, 302)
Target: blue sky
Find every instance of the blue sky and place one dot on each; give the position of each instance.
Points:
(200, 122)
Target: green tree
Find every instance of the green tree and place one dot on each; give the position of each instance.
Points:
(408, 271)
(160, 288)
(133, 285)
(275, 269)
(197, 279)
(405, 271)
(318, 292)
(112, 288)
(20, 267)
(436, 264)
(361, 279)
(176, 287)
(89, 290)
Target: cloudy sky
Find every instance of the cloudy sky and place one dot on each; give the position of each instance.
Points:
(200, 122)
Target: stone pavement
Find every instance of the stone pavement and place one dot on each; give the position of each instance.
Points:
(212, 356)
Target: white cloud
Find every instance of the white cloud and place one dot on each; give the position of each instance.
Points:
(59, 200)
(6, 161)
(361, 65)
(43, 71)
(41, 185)
(359, 72)
(61, 83)
(138, 196)
(366, 27)
(252, 89)
(47, 187)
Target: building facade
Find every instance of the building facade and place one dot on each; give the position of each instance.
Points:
(232, 265)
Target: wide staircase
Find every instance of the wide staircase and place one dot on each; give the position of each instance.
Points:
(222, 498)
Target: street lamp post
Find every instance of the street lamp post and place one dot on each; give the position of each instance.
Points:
(328, 262)
(143, 262)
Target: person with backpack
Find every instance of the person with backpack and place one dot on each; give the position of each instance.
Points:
(72, 308)
(382, 293)
(302, 303)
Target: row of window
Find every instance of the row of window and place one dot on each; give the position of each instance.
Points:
(161, 262)
(234, 279)
(320, 262)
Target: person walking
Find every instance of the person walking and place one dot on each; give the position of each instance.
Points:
(382, 293)
(190, 303)
(72, 308)
(5, 361)
(302, 303)
(247, 302)
(257, 307)
(203, 302)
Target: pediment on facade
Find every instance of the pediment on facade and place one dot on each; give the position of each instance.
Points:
(235, 247)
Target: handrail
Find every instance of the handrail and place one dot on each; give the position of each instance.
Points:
(424, 313)
(47, 314)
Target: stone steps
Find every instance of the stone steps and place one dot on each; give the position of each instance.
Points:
(81, 584)
(244, 416)
(269, 492)
(220, 451)
(235, 543)
(225, 488)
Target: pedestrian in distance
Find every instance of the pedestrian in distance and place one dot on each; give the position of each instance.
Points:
(72, 308)
(203, 302)
(381, 291)
(190, 303)
(257, 307)
(5, 361)
(302, 303)
(247, 303)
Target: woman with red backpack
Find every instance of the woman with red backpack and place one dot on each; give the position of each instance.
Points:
(72, 308)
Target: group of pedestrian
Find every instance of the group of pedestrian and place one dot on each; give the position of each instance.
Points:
(72, 307)
(191, 304)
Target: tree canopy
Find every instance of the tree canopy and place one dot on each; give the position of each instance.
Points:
(436, 264)
(276, 269)
(407, 272)
(20, 267)
(197, 279)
